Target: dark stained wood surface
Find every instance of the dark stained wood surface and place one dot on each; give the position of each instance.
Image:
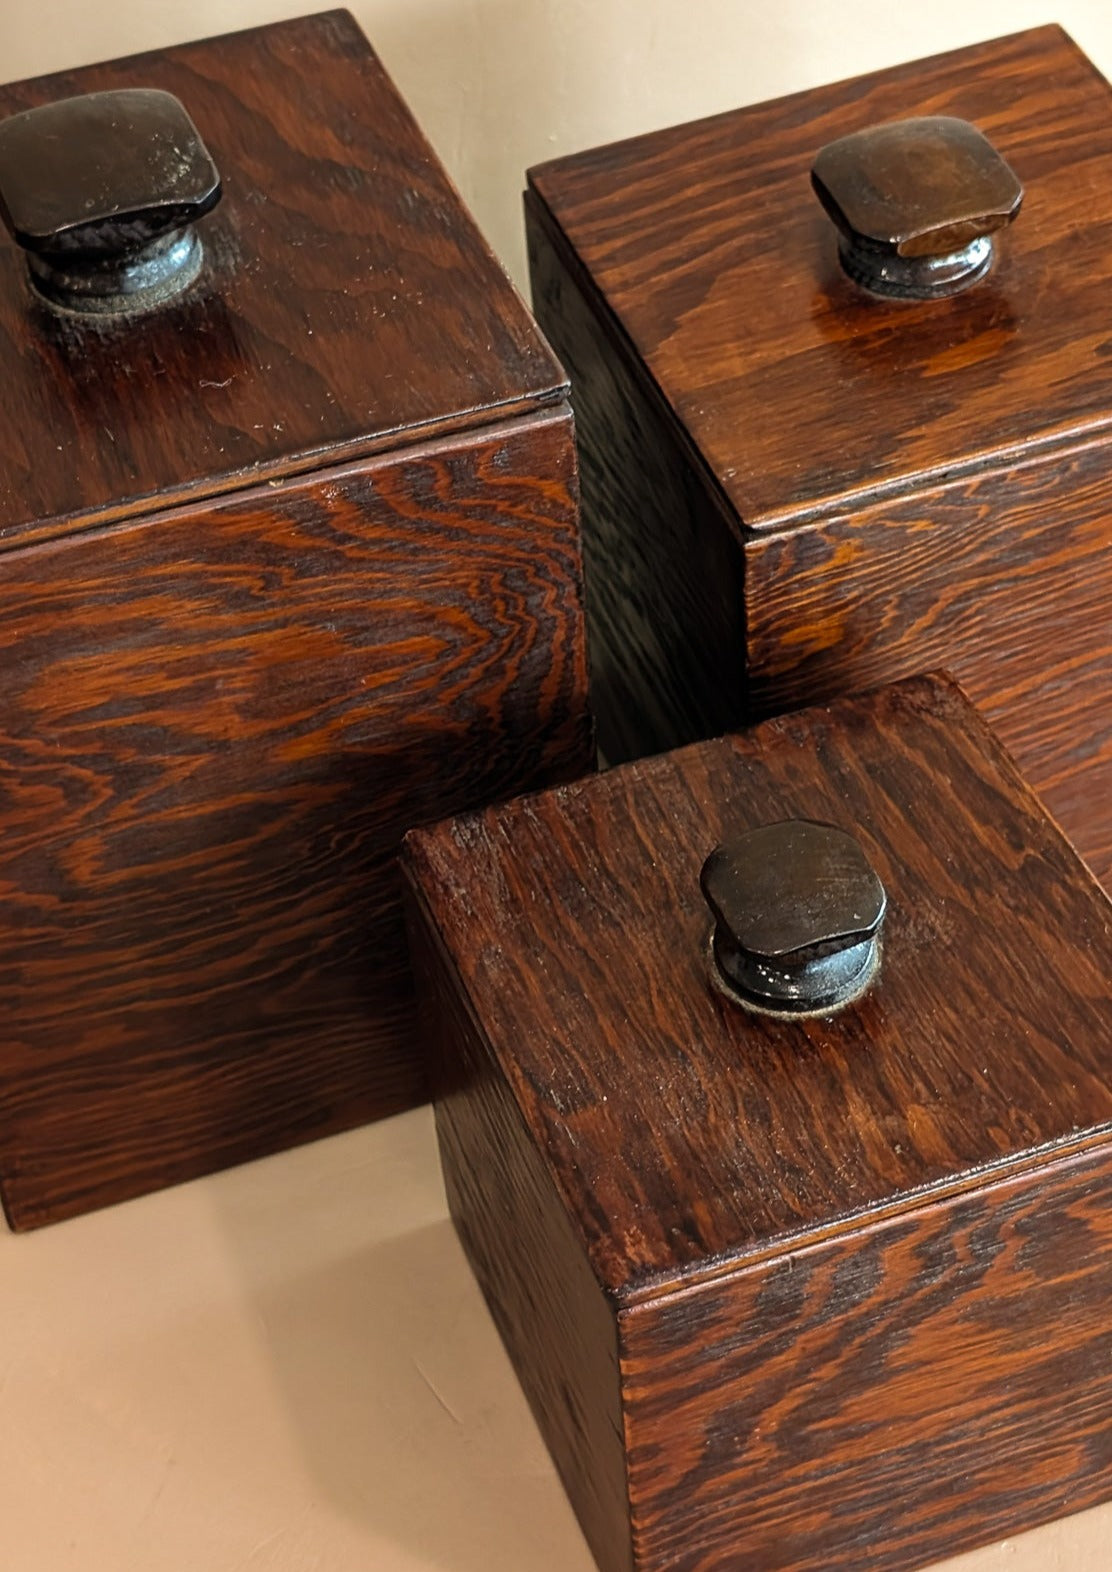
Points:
(348, 298)
(525, 1252)
(802, 393)
(216, 726)
(858, 1268)
(910, 509)
(664, 574)
(1006, 577)
(682, 1129)
(937, 1382)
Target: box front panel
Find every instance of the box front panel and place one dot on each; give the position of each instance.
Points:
(217, 725)
(1005, 579)
(884, 1399)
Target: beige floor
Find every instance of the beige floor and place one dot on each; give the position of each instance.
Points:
(288, 1368)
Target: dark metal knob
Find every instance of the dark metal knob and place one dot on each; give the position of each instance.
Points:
(798, 911)
(916, 203)
(102, 193)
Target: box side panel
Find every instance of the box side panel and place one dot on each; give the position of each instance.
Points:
(885, 1399)
(216, 728)
(557, 1325)
(663, 569)
(1005, 579)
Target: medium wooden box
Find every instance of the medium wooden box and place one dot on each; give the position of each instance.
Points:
(824, 1293)
(793, 488)
(286, 566)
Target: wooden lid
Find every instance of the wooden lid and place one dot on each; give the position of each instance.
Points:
(347, 302)
(803, 393)
(686, 1132)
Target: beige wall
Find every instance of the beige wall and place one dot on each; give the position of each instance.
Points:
(502, 84)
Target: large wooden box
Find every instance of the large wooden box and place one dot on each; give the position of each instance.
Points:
(793, 488)
(823, 1293)
(286, 566)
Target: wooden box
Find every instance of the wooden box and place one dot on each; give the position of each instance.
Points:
(824, 1292)
(795, 488)
(287, 564)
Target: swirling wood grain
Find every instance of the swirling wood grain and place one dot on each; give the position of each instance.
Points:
(804, 393)
(1007, 578)
(886, 1399)
(216, 724)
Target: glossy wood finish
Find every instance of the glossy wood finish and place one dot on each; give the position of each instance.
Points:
(855, 1266)
(348, 299)
(791, 488)
(215, 730)
(527, 1257)
(709, 247)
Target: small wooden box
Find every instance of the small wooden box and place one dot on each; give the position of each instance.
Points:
(286, 566)
(823, 1293)
(793, 488)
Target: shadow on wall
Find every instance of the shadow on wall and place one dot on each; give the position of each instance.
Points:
(500, 85)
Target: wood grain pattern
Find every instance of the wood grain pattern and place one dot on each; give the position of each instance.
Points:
(587, 922)
(217, 725)
(857, 1265)
(286, 566)
(544, 1298)
(348, 298)
(665, 580)
(803, 393)
(886, 1399)
(1007, 578)
(788, 498)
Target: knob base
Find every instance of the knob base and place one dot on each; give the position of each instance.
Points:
(119, 285)
(882, 271)
(817, 986)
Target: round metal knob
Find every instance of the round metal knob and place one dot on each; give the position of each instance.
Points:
(102, 193)
(798, 911)
(916, 203)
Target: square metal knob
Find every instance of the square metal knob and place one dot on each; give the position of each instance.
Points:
(916, 203)
(102, 191)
